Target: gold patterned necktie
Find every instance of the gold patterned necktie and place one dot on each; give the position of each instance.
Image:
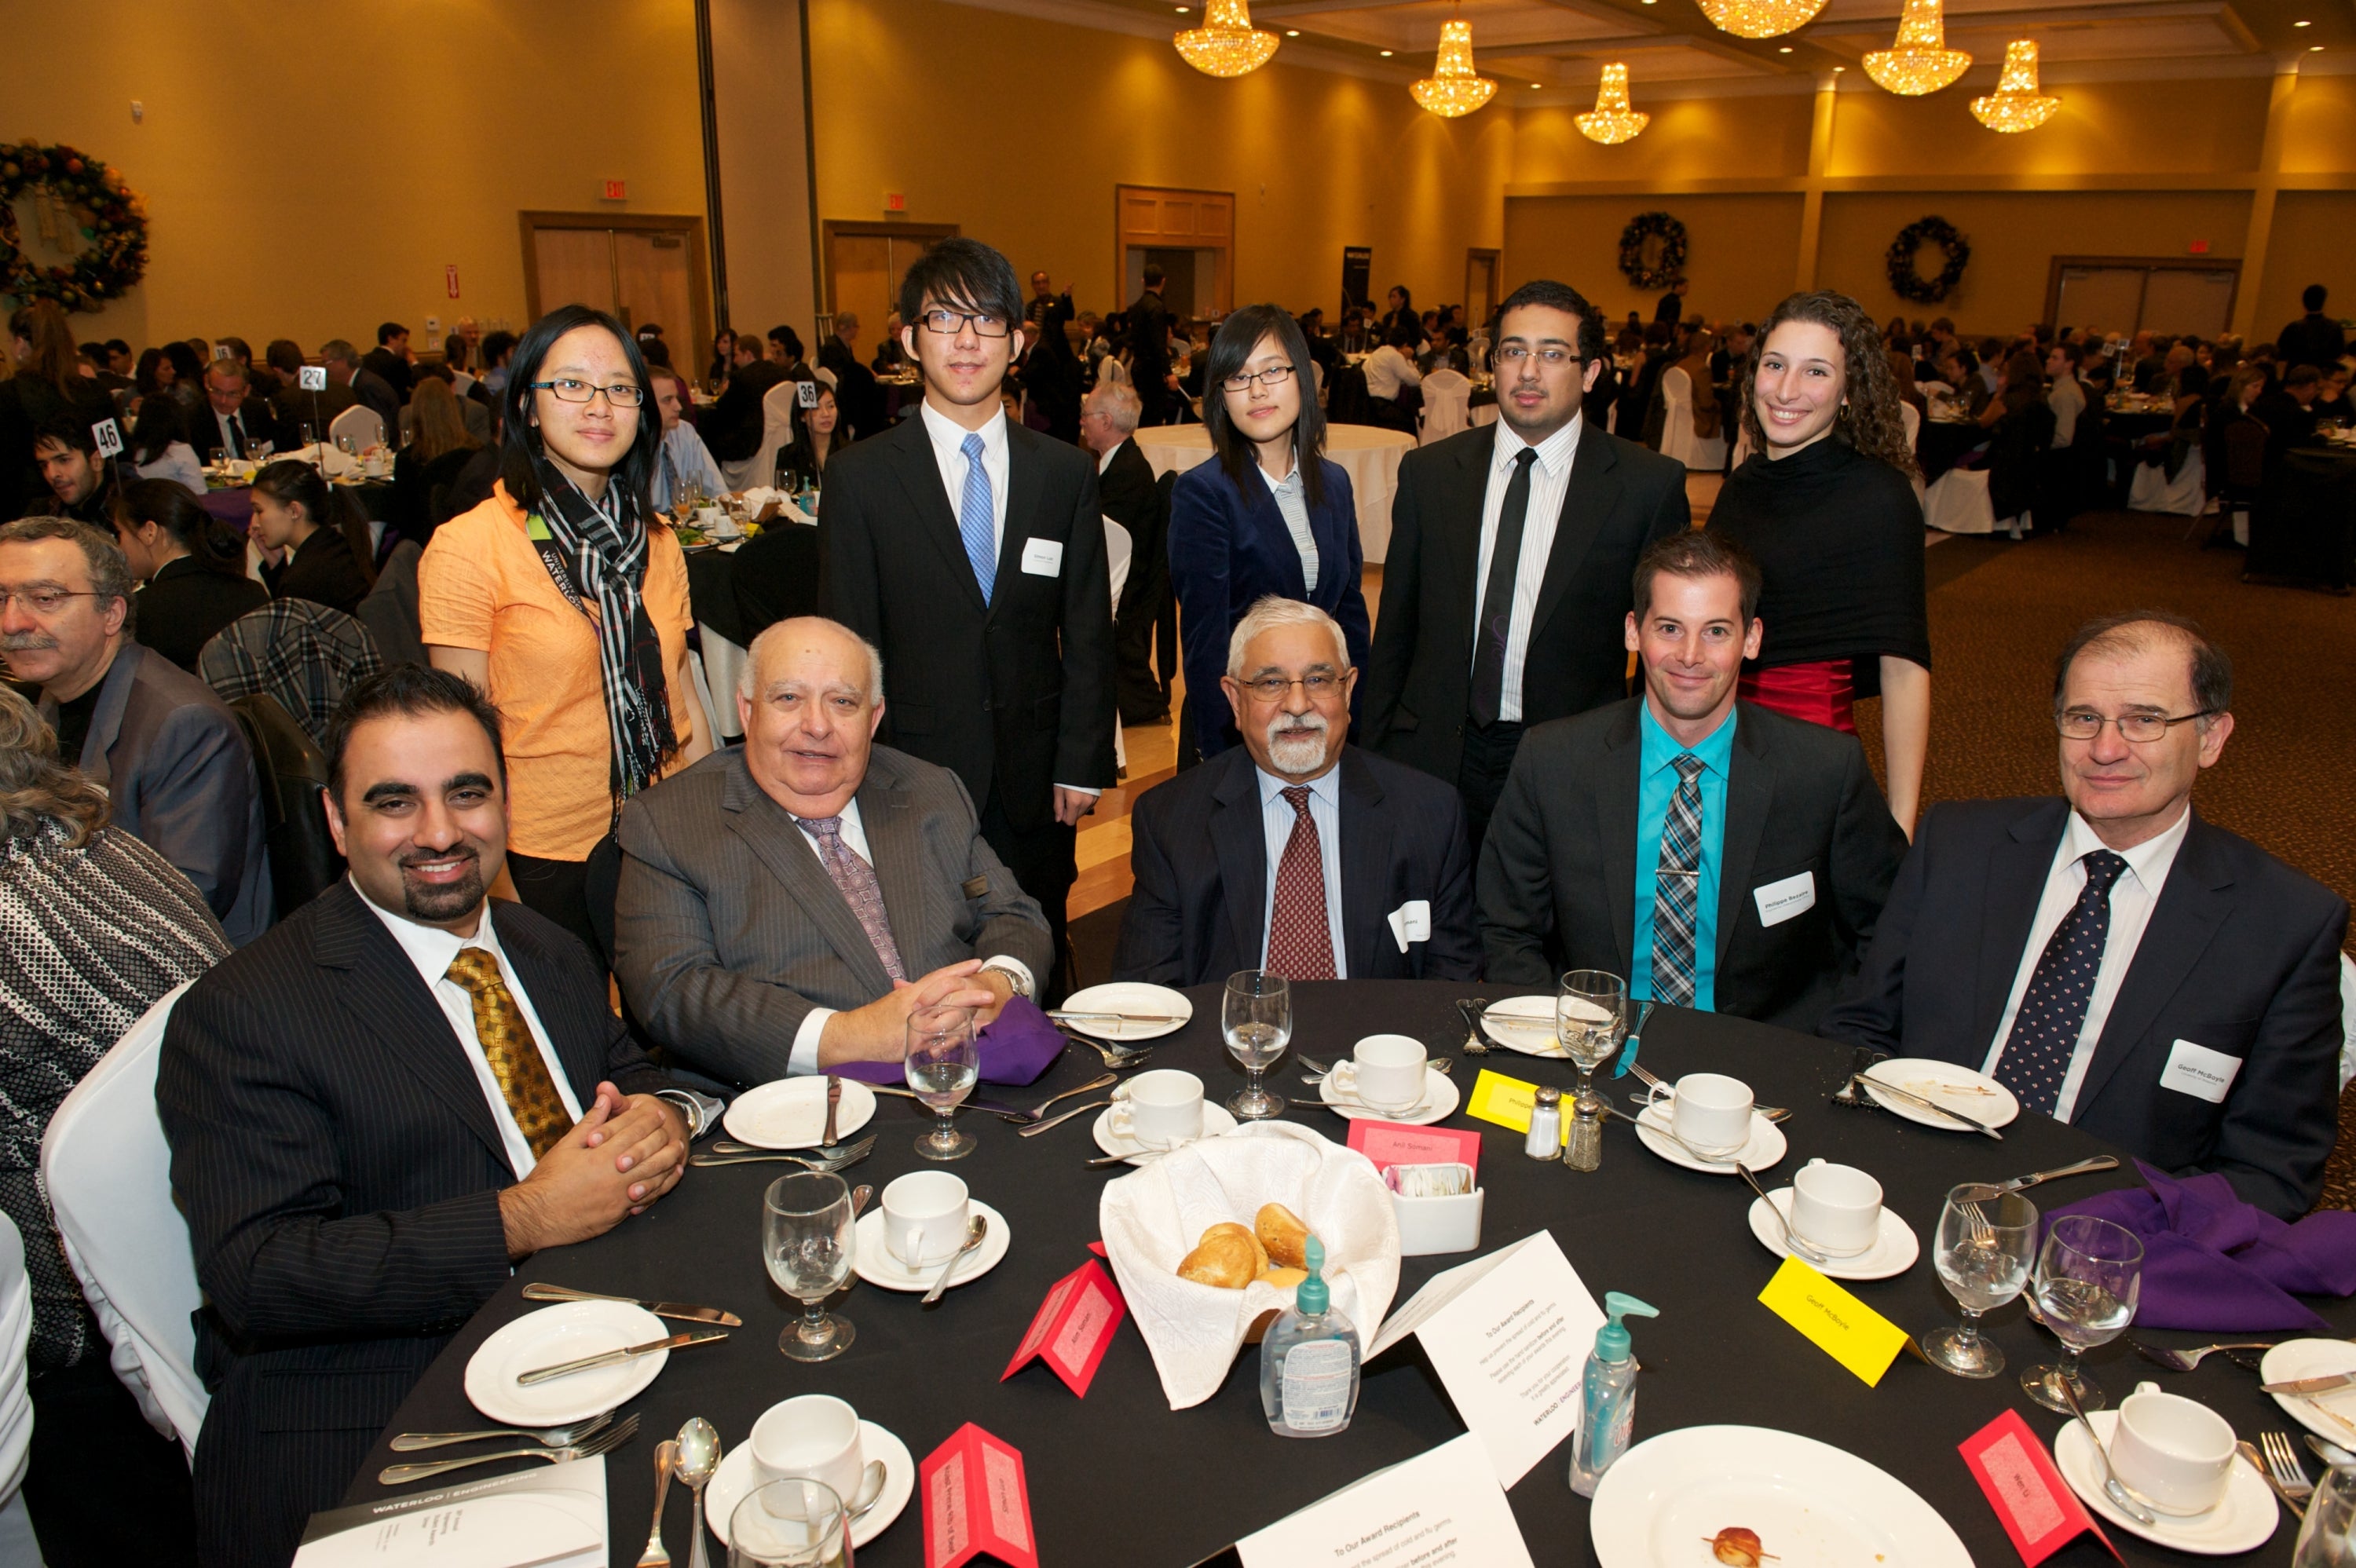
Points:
(515, 1059)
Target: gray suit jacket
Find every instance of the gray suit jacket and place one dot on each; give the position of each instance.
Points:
(727, 930)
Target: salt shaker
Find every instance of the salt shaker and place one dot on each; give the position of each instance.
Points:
(1585, 1149)
(1545, 1138)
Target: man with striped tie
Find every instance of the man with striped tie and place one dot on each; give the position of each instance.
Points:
(1718, 856)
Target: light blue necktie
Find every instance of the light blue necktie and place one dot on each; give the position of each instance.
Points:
(973, 519)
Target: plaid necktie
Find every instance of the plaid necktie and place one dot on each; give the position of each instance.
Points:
(855, 878)
(1300, 932)
(973, 519)
(507, 1044)
(2053, 1009)
(1675, 892)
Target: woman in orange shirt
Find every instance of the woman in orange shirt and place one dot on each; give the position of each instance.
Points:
(564, 597)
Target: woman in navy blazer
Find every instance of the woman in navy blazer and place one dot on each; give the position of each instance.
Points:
(1230, 542)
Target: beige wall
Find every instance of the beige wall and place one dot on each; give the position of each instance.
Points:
(756, 67)
(2314, 242)
(1688, 138)
(1738, 256)
(2102, 128)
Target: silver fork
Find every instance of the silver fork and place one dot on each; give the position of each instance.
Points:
(548, 1437)
(1104, 1081)
(1113, 1057)
(727, 1153)
(1472, 1008)
(2185, 1361)
(605, 1442)
(2282, 1458)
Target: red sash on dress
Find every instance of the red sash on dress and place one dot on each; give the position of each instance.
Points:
(1821, 692)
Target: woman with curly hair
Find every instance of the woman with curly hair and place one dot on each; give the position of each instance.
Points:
(1826, 504)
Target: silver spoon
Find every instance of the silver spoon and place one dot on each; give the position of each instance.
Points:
(657, 1555)
(2113, 1487)
(870, 1490)
(699, 1459)
(976, 1228)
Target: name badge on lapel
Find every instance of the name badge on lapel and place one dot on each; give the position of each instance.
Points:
(2197, 1071)
(1778, 902)
(1042, 558)
(1411, 922)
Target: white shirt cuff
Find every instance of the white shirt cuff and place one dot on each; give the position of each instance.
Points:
(1009, 964)
(804, 1060)
(1083, 789)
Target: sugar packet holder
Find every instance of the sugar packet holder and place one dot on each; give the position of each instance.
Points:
(1439, 1208)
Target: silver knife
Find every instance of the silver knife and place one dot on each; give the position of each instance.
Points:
(614, 1358)
(1908, 1094)
(1062, 1013)
(2308, 1387)
(2084, 1167)
(833, 1103)
(659, 1308)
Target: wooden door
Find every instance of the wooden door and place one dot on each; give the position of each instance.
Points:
(1480, 287)
(651, 284)
(575, 266)
(865, 264)
(1148, 218)
(640, 267)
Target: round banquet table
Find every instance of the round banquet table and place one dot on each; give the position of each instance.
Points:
(1370, 455)
(1120, 1478)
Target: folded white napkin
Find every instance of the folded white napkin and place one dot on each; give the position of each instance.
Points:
(337, 465)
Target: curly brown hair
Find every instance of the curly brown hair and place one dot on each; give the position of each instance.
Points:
(1869, 419)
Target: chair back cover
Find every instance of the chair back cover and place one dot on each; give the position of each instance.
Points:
(1446, 406)
(362, 423)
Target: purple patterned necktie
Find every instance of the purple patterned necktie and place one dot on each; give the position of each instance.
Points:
(855, 878)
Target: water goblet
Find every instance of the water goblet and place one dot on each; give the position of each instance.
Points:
(1986, 1248)
(2088, 1275)
(2328, 1538)
(807, 1245)
(1591, 1020)
(1257, 1019)
(942, 1063)
(793, 1523)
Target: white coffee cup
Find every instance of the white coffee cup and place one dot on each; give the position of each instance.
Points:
(1159, 1109)
(1711, 1113)
(1387, 1069)
(813, 1437)
(924, 1217)
(2178, 1452)
(1836, 1209)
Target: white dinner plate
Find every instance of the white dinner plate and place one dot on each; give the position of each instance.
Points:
(1525, 1024)
(564, 1333)
(791, 1113)
(1439, 1101)
(873, 1262)
(1128, 997)
(2331, 1416)
(2241, 1522)
(1976, 1095)
(1765, 1148)
(734, 1481)
(1893, 1251)
(1217, 1119)
(1812, 1505)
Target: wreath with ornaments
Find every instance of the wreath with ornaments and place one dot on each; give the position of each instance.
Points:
(1652, 251)
(75, 197)
(1909, 283)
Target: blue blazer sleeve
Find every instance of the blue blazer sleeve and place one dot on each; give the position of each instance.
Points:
(1341, 576)
(1203, 519)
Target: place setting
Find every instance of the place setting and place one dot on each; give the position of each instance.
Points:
(866, 1471)
(928, 1233)
(1159, 1109)
(1388, 1077)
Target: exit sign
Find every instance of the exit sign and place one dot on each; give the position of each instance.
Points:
(617, 190)
(2198, 248)
(895, 201)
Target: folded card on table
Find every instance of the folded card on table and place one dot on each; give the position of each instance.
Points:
(541, 1518)
(1441, 1509)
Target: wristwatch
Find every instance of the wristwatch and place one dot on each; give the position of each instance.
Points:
(1017, 976)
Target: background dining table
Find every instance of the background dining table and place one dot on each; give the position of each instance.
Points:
(1118, 1476)
(1369, 454)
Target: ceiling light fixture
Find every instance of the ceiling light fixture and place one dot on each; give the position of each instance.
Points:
(1227, 44)
(1453, 88)
(1611, 122)
(1385, 53)
(2016, 106)
(1758, 18)
(1785, 50)
(1920, 61)
(2302, 24)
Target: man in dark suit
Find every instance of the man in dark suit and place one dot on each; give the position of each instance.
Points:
(1149, 350)
(855, 392)
(2115, 960)
(81, 483)
(1297, 851)
(344, 370)
(972, 551)
(389, 360)
(2314, 339)
(1720, 856)
(731, 428)
(1126, 490)
(231, 423)
(380, 1108)
(1476, 642)
(296, 407)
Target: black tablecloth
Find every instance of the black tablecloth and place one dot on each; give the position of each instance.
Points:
(2304, 526)
(1942, 442)
(1120, 1478)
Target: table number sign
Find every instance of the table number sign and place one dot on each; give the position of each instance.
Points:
(1836, 1322)
(108, 437)
(1441, 1509)
(1072, 1328)
(1395, 1142)
(2031, 1501)
(976, 1502)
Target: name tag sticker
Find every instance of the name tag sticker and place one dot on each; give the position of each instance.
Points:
(1411, 922)
(1042, 558)
(1778, 902)
(2197, 1071)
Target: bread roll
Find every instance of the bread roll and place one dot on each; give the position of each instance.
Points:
(1227, 1256)
(1284, 1278)
(1282, 1234)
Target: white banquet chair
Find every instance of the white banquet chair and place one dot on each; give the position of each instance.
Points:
(1958, 502)
(1118, 550)
(18, 1549)
(1677, 438)
(363, 424)
(2151, 490)
(776, 433)
(1447, 405)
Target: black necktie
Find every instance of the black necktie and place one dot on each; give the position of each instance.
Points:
(2053, 1009)
(1497, 601)
(235, 437)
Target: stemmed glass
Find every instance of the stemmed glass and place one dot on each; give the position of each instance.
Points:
(1987, 1243)
(1591, 1020)
(1257, 1019)
(942, 1063)
(2328, 1538)
(806, 1243)
(2088, 1276)
(792, 1523)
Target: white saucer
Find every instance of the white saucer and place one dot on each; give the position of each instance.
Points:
(1128, 997)
(2331, 1416)
(2244, 1522)
(1974, 1094)
(1765, 1148)
(564, 1333)
(791, 1113)
(731, 1483)
(1217, 1119)
(873, 1262)
(1526, 1024)
(1893, 1251)
(1439, 1101)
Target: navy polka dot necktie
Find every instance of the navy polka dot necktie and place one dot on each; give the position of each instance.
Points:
(2053, 1009)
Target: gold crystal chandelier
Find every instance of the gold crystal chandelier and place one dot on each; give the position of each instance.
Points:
(1227, 44)
(1760, 18)
(1920, 61)
(2016, 105)
(1453, 89)
(1611, 122)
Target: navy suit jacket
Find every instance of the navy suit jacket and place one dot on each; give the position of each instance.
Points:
(1229, 545)
(2241, 955)
(1200, 854)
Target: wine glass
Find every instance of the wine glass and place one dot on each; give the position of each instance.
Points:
(792, 1523)
(1256, 1018)
(806, 1243)
(2088, 1275)
(2328, 1538)
(1986, 1244)
(1591, 1020)
(942, 1063)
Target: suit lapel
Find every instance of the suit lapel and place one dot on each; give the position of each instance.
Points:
(114, 701)
(2016, 882)
(920, 480)
(1469, 499)
(1750, 796)
(885, 816)
(768, 830)
(1616, 789)
(2193, 902)
(1587, 504)
(1242, 847)
(1365, 852)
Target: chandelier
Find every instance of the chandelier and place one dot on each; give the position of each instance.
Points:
(2016, 105)
(1227, 44)
(1453, 89)
(1611, 122)
(1760, 18)
(1920, 61)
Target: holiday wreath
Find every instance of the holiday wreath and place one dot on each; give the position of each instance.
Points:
(1668, 265)
(1910, 284)
(81, 193)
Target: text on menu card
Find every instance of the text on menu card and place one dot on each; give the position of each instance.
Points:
(976, 1502)
(1441, 1509)
(2036, 1507)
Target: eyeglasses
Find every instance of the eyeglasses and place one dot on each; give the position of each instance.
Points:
(42, 601)
(1275, 375)
(2136, 729)
(1274, 687)
(621, 394)
(1514, 354)
(949, 322)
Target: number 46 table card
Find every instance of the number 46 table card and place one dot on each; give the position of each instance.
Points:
(1442, 1509)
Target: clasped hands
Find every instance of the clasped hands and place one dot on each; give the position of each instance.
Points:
(879, 1032)
(625, 1152)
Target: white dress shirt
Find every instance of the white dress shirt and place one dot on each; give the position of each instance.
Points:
(2132, 898)
(1549, 481)
(1276, 818)
(1387, 370)
(221, 421)
(1294, 505)
(948, 450)
(2068, 400)
(178, 464)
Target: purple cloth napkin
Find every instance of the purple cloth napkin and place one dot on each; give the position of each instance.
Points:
(1016, 1049)
(2213, 1264)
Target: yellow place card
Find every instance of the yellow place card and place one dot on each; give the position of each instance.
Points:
(1838, 1324)
(1503, 1100)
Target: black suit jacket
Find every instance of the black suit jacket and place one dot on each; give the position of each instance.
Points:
(2241, 955)
(1199, 912)
(256, 419)
(1125, 491)
(1015, 697)
(390, 367)
(1418, 681)
(298, 407)
(378, 393)
(1149, 350)
(185, 603)
(340, 1173)
(731, 428)
(1559, 869)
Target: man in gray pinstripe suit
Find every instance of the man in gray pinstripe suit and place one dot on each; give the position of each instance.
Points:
(784, 906)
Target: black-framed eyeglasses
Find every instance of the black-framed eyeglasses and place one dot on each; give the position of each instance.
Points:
(1275, 375)
(2136, 729)
(42, 601)
(1275, 688)
(949, 322)
(1551, 355)
(567, 389)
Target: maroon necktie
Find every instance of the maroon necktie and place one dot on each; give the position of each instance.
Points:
(1300, 937)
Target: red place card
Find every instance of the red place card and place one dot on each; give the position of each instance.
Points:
(1395, 1142)
(2031, 1501)
(1074, 1327)
(976, 1502)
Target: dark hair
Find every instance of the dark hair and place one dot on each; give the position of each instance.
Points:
(210, 542)
(2073, 353)
(288, 482)
(412, 691)
(2212, 672)
(386, 332)
(453, 351)
(1238, 336)
(520, 444)
(1869, 419)
(2024, 382)
(142, 375)
(1152, 275)
(239, 350)
(2301, 375)
(1405, 333)
(1554, 296)
(965, 273)
(116, 345)
(1944, 324)
(1407, 300)
(285, 356)
(495, 345)
(791, 340)
(159, 426)
(2313, 296)
(103, 558)
(657, 352)
(94, 351)
(71, 431)
(187, 363)
(1695, 553)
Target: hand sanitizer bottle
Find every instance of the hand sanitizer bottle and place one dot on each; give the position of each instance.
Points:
(1608, 1411)
(1308, 1360)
